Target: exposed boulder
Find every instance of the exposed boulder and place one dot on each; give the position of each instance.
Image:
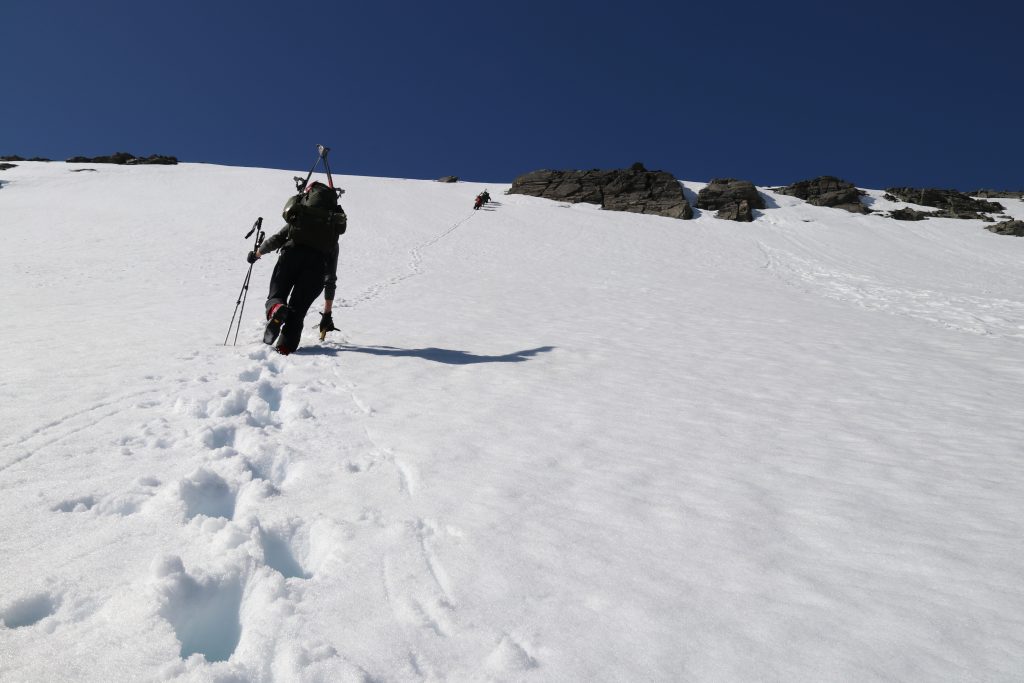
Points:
(736, 212)
(908, 214)
(827, 190)
(954, 204)
(721, 192)
(1015, 228)
(733, 199)
(125, 158)
(635, 190)
(572, 186)
(5, 166)
(449, 179)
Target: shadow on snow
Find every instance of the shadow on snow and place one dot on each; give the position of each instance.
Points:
(448, 356)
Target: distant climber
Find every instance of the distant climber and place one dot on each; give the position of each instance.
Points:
(308, 264)
(481, 199)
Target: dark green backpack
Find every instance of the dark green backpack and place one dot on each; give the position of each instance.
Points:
(315, 218)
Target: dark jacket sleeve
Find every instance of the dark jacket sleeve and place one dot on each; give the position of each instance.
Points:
(276, 241)
(331, 278)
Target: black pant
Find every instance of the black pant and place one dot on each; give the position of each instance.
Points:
(297, 281)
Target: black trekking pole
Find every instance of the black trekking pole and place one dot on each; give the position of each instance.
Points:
(257, 227)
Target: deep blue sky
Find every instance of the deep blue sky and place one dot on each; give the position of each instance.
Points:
(880, 93)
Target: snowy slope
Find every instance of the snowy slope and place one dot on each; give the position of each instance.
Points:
(550, 443)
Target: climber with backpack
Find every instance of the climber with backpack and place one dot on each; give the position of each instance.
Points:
(308, 261)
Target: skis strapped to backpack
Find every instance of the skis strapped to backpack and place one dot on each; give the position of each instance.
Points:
(314, 215)
(321, 155)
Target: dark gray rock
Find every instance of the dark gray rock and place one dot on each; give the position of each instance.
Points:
(829, 191)
(572, 186)
(125, 158)
(449, 179)
(953, 204)
(115, 158)
(5, 166)
(721, 192)
(1015, 228)
(909, 214)
(157, 159)
(12, 157)
(737, 211)
(998, 194)
(635, 190)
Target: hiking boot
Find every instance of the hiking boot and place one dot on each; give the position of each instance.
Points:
(277, 316)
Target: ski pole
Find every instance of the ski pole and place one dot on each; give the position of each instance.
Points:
(244, 292)
(258, 242)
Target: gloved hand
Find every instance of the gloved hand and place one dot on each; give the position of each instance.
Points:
(251, 257)
(327, 323)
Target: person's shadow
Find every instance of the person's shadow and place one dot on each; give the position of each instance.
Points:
(447, 356)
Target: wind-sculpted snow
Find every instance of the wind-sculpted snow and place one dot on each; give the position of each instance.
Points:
(549, 443)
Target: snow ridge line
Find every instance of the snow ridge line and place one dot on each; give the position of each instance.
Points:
(415, 268)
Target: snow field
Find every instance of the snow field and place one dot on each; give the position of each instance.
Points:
(550, 443)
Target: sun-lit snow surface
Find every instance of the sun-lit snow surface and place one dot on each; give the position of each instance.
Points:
(550, 443)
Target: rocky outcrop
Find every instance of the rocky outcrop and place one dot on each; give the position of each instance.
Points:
(725, 195)
(15, 157)
(736, 212)
(125, 158)
(909, 214)
(635, 190)
(449, 179)
(998, 194)
(829, 191)
(1015, 228)
(721, 192)
(5, 166)
(953, 204)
